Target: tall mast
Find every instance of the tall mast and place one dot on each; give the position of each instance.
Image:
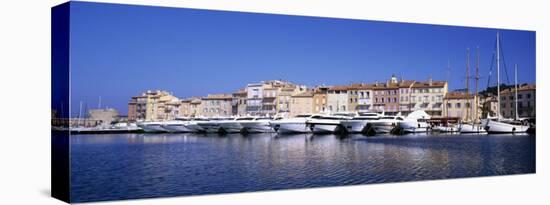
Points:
(99, 104)
(498, 77)
(467, 84)
(79, 114)
(516, 86)
(477, 79)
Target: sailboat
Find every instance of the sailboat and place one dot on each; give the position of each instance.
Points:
(473, 126)
(498, 124)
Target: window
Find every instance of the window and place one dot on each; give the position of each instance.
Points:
(511, 104)
(394, 100)
(529, 96)
(457, 105)
(511, 97)
(467, 105)
(502, 98)
(413, 98)
(449, 105)
(519, 96)
(503, 105)
(520, 104)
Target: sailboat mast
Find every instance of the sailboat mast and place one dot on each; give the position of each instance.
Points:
(79, 114)
(477, 79)
(516, 86)
(498, 77)
(467, 84)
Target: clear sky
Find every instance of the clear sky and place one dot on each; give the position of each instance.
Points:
(119, 51)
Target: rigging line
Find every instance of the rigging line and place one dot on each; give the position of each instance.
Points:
(492, 64)
(504, 63)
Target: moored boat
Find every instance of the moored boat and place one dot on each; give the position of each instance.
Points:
(291, 125)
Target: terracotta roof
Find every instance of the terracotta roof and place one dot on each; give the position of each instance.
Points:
(522, 88)
(458, 95)
(339, 87)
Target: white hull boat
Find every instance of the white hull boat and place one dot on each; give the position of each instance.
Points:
(291, 125)
(322, 124)
(176, 126)
(358, 124)
(504, 126)
(445, 128)
(256, 125)
(152, 126)
(471, 128)
(355, 126)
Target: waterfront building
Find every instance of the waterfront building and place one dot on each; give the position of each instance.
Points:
(405, 94)
(428, 96)
(269, 98)
(217, 105)
(195, 107)
(360, 97)
(337, 99)
(254, 94)
(301, 103)
(284, 98)
(526, 102)
(320, 99)
(104, 116)
(239, 103)
(386, 96)
(152, 105)
(184, 108)
(461, 106)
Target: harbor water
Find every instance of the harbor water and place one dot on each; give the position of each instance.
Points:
(128, 166)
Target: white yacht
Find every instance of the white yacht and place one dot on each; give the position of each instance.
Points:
(499, 125)
(386, 124)
(177, 125)
(415, 122)
(446, 128)
(193, 124)
(214, 125)
(359, 123)
(291, 125)
(325, 123)
(255, 124)
(230, 125)
(152, 126)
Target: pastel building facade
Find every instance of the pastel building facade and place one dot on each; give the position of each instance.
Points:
(152, 105)
(217, 105)
(526, 102)
(301, 103)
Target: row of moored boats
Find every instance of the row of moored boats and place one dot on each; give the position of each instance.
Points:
(367, 123)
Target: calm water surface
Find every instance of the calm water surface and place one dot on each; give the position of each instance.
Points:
(125, 166)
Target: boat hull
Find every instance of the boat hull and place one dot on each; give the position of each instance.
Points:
(472, 128)
(383, 127)
(323, 128)
(291, 127)
(152, 128)
(493, 126)
(355, 126)
(176, 128)
(256, 127)
(413, 127)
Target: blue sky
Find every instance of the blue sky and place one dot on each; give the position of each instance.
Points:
(119, 51)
